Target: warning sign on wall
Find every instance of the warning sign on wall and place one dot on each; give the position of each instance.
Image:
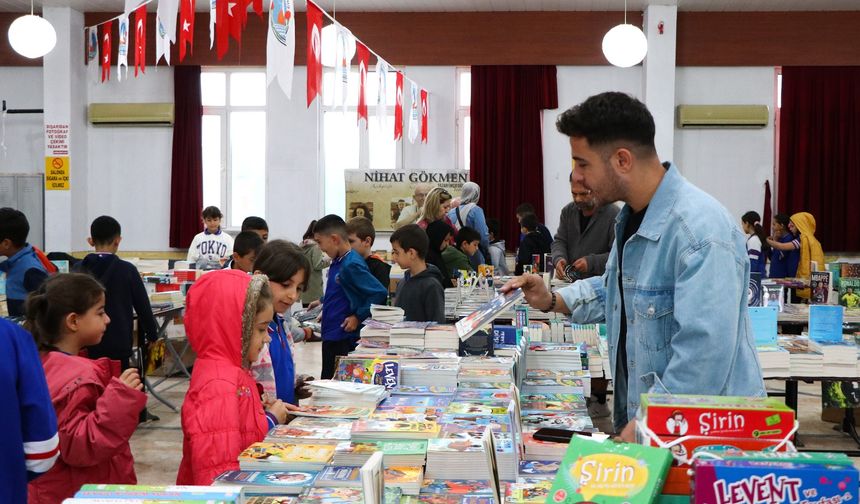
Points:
(57, 139)
(57, 173)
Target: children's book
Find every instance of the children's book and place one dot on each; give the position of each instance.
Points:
(486, 313)
(311, 430)
(608, 472)
(430, 390)
(527, 491)
(533, 420)
(849, 292)
(331, 412)
(365, 429)
(339, 476)
(820, 283)
(545, 469)
(377, 371)
(456, 487)
(271, 499)
(439, 401)
(285, 456)
(372, 480)
(555, 405)
(330, 495)
(168, 492)
(281, 482)
(459, 408)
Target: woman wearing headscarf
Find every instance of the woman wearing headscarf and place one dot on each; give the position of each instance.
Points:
(439, 233)
(802, 226)
(469, 214)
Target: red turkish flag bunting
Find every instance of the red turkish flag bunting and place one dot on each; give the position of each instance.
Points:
(425, 105)
(232, 15)
(363, 60)
(186, 27)
(140, 39)
(398, 108)
(315, 20)
(106, 46)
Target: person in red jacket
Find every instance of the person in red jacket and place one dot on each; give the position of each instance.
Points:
(97, 408)
(227, 317)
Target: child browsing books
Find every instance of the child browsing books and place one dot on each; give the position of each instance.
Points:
(97, 408)
(466, 245)
(257, 225)
(497, 247)
(246, 246)
(24, 271)
(227, 318)
(361, 237)
(532, 244)
(288, 269)
(802, 227)
(420, 293)
(783, 263)
(213, 245)
(350, 291)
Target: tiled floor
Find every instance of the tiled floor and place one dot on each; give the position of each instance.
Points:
(157, 446)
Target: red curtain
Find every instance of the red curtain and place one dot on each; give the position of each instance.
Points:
(186, 179)
(506, 147)
(819, 151)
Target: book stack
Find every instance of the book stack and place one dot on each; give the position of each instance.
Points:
(442, 337)
(408, 334)
(375, 333)
(534, 449)
(368, 430)
(506, 455)
(595, 362)
(311, 430)
(408, 479)
(584, 333)
(378, 370)
(285, 457)
(839, 360)
(384, 313)
(456, 458)
(268, 482)
(480, 369)
(96, 493)
(775, 361)
(556, 356)
(803, 360)
(338, 393)
(543, 381)
(424, 374)
(456, 491)
(527, 491)
(333, 412)
(396, 452)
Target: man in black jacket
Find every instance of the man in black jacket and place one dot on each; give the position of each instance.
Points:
(125, 294)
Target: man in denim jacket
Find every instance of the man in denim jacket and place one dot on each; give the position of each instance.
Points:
(674, 295)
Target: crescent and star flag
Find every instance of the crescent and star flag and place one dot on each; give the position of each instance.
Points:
(106, 47)
(186, 27)
(425, 106)
(398, 107)
(140, 39)
(165, 28)
(315, 19)
(281, 45)
(363, 60)
(414, 113)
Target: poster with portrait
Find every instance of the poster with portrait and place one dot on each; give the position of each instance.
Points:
(383, 195)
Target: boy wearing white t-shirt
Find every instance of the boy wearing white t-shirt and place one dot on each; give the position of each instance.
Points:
(210, 248)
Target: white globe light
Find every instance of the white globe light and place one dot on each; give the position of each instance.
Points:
(32, 36)
(625, 45)
(329, 46)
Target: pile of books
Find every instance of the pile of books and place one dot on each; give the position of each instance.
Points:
(775, 361)
(541, 381)
(479, 369)
(407, 478)
(838, 359)
(418, 373)
(384, 313)
(408, 334)
(457, 458)
(442, 337)
(396, 452)
(340, 393)
(312, 431)
(803, 360)
(557, 356)
(368, 430)
(265, 456)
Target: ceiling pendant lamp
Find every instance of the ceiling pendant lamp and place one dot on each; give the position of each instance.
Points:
(32, 36)
(625, 45)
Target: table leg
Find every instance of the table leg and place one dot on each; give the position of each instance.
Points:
(849, 425)
(791, 402)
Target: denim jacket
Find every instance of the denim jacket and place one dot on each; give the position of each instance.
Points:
(686, 276)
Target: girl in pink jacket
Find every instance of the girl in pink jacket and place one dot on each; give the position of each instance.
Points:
(97, 407)
(226, 319)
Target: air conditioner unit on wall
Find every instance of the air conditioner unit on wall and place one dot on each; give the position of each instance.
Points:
(722, 116)
(131, 114)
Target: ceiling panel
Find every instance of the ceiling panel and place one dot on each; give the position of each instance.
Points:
(483, 5)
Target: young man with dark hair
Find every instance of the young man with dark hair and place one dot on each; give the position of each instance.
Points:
(525, 209)
(361, 237)
(420, 293)
(671, 239)
(24, 271)
(350, 291)
(257, 225)
(466, 244)
(497, 247)
(213, 245)
(533, 243)
(246, 246)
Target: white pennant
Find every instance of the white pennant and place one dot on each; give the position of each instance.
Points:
(122, 50)
(414, 113)
(281, 44)
(342, 66)
(213, 8)
(382, 92)
(165, 28)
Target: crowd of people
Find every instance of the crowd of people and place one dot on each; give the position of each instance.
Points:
(77, 396)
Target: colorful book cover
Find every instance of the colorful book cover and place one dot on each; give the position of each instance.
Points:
(539, 468)
(403, 475)
(553, 406)
(169, 492)
(271, 499)
(320, 495)
(416, 400)
(278, 480)
(423, 390)
(388, 447)
(840, 394)
(339, 476)
(505, 335)
(754, 292)
(527, 491)
(725, 416)
(573, 398)
(691, 445)
(609, 473)
(556, 419)
(475, 409)
(288, 453)
(819, 283)
(731, 481)
(455, 499)
(483, 395)
(773, 295)
(849, 292)
(456, 487)
(486, 385)
(315, 430)
(803, 457)
(850, 270)
(331, 412)
(470, 444)
(429, 428)
(377, 371)
(486, 313)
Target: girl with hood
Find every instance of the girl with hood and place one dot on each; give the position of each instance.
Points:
(802, 226)
(227, 317)
(97, 407)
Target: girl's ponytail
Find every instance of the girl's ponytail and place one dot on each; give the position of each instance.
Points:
(754, 219)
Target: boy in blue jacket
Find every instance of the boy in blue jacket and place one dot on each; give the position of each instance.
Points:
(24, 271)
(350, 290)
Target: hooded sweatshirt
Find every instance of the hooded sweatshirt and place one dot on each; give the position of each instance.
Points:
(222, 413)
(810, 248)
(125, 295)
(422, 296)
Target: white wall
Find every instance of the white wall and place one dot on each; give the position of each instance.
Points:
(21, 87)
(730, 164)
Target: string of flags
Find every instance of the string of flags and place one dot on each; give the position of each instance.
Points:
(228, 18)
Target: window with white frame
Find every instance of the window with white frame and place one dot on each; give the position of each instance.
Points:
(234, 142)
(348, 145)
(464, 120)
